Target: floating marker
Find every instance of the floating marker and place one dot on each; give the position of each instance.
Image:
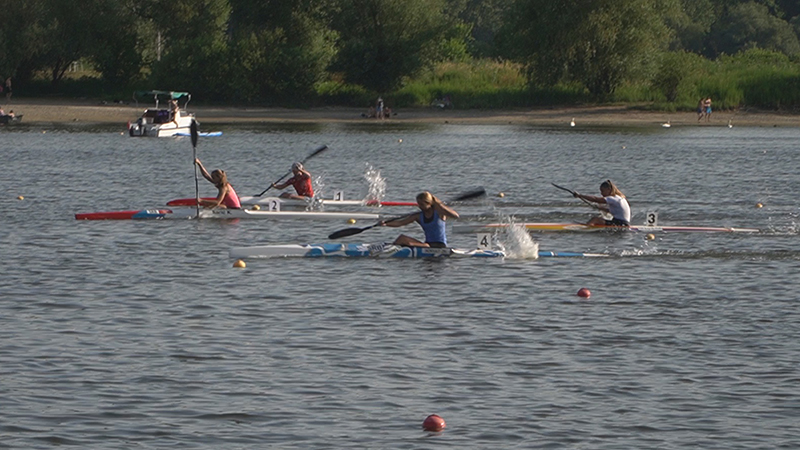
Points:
(256, 208)
(239, 263)
(501, 195)
(651, 236)
(759, 205)
(20, 198)
(351, 221)
(585, 293)
(400, 141)
(433, 423)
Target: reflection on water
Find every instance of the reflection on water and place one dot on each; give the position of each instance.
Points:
(141, 332)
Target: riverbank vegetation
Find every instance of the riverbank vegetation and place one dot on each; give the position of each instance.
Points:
(658, 54)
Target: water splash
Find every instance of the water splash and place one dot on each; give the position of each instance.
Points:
(318, 184)
(377, 184)
(516, 242)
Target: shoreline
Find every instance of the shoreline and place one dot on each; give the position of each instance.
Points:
(52, 111)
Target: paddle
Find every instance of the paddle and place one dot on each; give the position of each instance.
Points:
(575, 194)
(353, 231)
(313, 154)
(195, 135)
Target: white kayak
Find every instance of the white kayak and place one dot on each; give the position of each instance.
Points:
(277, 203)
(191, 213)
(380, 250)
(490, 227)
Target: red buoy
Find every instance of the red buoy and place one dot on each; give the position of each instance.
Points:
(585, 293)
(433, 423)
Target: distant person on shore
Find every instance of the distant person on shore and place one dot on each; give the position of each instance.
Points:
(379, 108)
(612, 200)
(301, 180)
(226, 195)
(8, 88)
(707, 108)
(11, 114)
(2, 112)
(701, 110)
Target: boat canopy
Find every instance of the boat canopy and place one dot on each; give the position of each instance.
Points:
(162, 95)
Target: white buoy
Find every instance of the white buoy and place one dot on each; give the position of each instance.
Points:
(572, 123)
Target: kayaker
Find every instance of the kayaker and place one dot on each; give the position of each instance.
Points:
(301, 180)
(615, 203)
(432, 220)
(226, 197)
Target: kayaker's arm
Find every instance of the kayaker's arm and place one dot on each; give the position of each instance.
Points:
(591, 198)
(203, 170)
(443, 210)
(399, 222)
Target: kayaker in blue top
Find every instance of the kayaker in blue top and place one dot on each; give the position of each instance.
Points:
(432, 220)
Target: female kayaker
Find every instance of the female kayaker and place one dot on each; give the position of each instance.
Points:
(301, 180)
(226, 196)
(614, 201)
(431, 218)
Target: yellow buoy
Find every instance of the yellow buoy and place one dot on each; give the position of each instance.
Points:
(651, 236)
(256, 208)
(239, 263)
(20, 198)
(501, 195)
(759, 205)
(351, 221)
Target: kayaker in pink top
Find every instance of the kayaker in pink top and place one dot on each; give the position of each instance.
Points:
(226, 197)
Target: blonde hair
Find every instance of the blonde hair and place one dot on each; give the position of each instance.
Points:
(221, 177)
(425, 197)
(614, 189)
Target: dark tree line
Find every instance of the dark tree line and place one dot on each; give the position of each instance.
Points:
(276, 50)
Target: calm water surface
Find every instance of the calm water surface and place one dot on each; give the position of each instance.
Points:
(140, 334)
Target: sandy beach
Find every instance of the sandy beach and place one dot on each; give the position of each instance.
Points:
(44, 111)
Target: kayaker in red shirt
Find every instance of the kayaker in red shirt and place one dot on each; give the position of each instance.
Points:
(301, 182)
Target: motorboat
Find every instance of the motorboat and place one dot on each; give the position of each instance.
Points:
(162, 121)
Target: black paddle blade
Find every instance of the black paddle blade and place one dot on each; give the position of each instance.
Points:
(316, 152)
(346, 232)
(194, 133)
(564, 189)
(480, 192)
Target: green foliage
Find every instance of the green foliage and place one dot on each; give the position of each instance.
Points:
(673, 69)
(750, 25)
(600, 43)
(383, 41)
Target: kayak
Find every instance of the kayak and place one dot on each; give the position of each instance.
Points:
(290, 202)
(203, 134)
(191, 213)
(589, 228)
(380, 250)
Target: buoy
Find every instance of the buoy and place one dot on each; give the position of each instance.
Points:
(433, 423)
(585, 293)
(239, 263)
(351, 221)
(400, 140)
(759, 205)
(501, 195)
(572, 123)
(651, 236)
(20, 198)
(256, 208)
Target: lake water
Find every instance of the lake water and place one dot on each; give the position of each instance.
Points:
(141, 334)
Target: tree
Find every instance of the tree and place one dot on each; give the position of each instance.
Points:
(383, 41)
(751, 25)
(599, 43)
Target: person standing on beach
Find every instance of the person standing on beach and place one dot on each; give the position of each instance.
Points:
(8, 89)
(379, 108)
(701, 110)
(707, 109)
